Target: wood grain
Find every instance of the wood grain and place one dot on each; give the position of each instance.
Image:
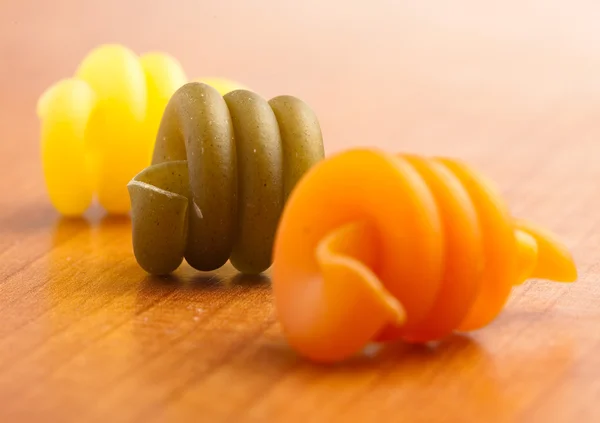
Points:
(513, 87)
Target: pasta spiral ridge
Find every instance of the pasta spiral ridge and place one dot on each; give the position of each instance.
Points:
(375, 247)
(222, 169)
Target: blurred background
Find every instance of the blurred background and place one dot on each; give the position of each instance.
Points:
(397, 73)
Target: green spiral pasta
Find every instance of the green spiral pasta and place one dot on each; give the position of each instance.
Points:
(222, 169)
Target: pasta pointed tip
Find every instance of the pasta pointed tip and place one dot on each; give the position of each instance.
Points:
(553, 260)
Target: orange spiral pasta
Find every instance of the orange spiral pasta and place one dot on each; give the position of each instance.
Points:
(374, 247)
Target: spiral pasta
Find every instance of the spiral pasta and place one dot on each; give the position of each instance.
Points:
(98, 127)
(221, 172)
(373, 247)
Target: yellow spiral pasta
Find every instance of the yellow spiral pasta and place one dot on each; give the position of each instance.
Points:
(374, 247)
(98, 127)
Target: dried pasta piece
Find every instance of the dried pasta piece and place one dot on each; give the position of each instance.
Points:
(243, 156)
(98, 127)
(373, 247)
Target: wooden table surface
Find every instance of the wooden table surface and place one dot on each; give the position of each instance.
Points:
(514, 88)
